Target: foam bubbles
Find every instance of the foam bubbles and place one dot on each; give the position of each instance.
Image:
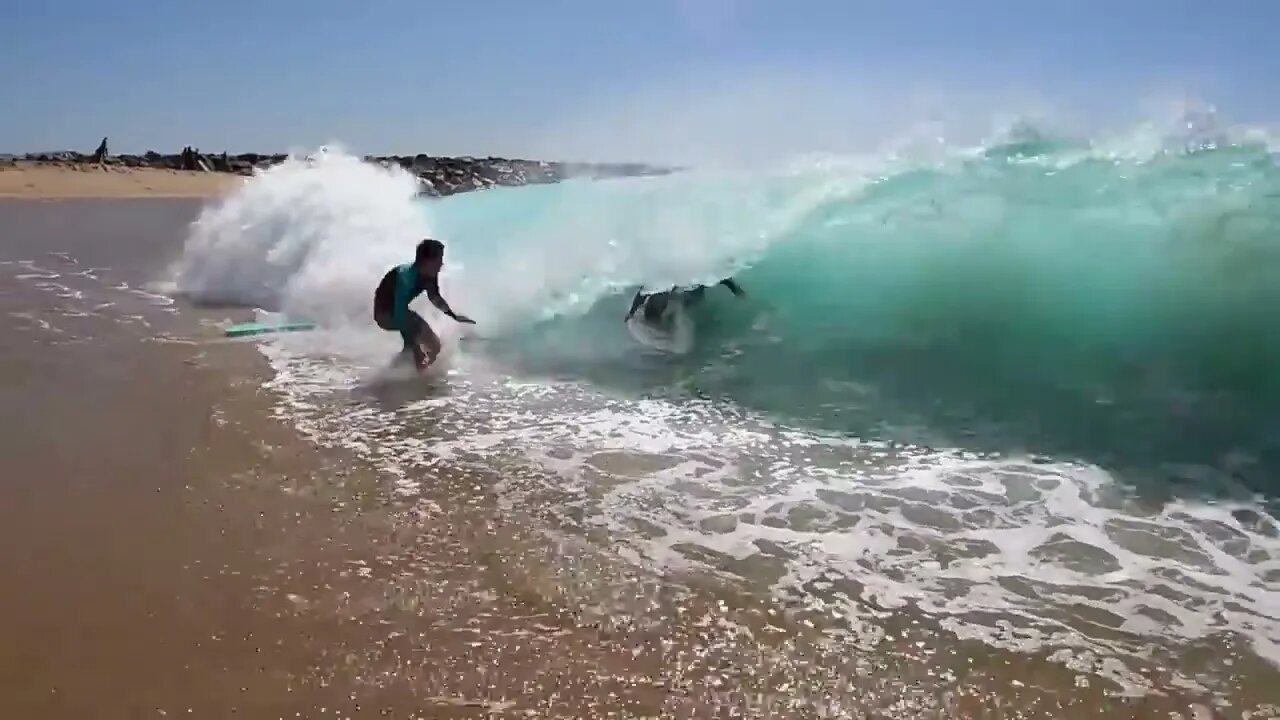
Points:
(1072, 307)
(1015, 552)
(311, 237)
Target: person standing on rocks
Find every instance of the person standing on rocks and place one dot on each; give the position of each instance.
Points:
(100, 155)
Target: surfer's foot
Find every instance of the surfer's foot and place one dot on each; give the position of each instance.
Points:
(424, 361)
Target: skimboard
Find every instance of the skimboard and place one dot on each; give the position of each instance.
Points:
(260, 328)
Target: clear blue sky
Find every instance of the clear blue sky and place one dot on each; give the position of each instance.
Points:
(594, 77)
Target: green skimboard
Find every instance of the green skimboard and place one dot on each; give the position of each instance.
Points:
(255, 328)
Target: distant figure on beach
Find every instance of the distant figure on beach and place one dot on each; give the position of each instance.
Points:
(399, 287)
(100, 155)
(655, 304)
(193, 160)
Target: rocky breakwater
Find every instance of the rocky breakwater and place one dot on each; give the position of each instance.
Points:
(450, 175)
(437, 175)
(188, 159)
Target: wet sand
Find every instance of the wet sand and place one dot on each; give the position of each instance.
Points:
(174, 549)
(130, 586)
(32, 181)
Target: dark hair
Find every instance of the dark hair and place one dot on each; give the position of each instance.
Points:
(429, 249)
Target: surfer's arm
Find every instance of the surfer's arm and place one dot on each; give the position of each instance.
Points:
(433, 294)
(733, 286)
(635, 304)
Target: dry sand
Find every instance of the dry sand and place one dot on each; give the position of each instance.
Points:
(49, 182)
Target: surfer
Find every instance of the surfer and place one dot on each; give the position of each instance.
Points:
(655, 304)
(399, 287)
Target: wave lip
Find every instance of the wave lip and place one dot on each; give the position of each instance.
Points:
(1117, 311)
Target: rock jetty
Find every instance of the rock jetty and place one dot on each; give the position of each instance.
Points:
(437, 175)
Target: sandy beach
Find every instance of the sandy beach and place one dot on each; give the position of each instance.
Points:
(176, 554)
(44, 182)
(180, 550)
(849, 360)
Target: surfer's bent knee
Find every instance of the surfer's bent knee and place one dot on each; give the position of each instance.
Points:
(418, 331)
(429, 339)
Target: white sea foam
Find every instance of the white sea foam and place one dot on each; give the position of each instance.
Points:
(1015, 551)
(1022, 555)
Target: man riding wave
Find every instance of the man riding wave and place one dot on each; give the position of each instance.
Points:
(655, 304)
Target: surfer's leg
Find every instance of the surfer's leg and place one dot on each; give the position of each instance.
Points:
(411, 347)
(384, 321)
(408, 336)
(422, 340)
(430, 342)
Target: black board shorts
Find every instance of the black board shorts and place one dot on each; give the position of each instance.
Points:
(414, 325)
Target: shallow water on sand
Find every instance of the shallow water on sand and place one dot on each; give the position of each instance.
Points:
(1054, 560)
(504, 542)
(1022, 393)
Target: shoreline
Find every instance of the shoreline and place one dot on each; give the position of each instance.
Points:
(183, 550)
(83, 182)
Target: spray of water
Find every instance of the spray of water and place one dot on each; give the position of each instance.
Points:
(1106, 305)
(310, 237)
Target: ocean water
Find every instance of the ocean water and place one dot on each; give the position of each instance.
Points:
(1029, 389)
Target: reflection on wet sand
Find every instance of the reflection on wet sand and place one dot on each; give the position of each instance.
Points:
(177, 550)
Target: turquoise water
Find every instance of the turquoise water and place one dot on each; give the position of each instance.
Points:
(1102, 318)
(1036, 296)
